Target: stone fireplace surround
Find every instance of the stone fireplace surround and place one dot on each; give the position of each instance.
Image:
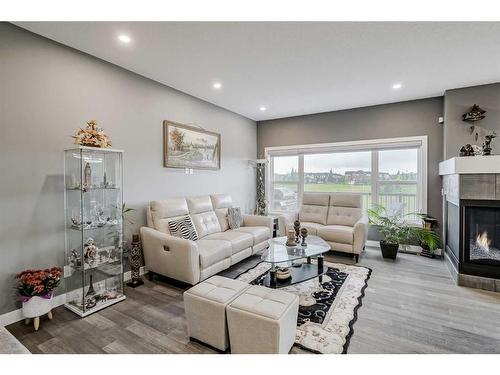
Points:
(471, 203)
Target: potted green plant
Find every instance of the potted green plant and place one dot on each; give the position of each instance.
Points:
(397, 230)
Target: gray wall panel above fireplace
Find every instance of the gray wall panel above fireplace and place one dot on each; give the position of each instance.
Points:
(478, 186)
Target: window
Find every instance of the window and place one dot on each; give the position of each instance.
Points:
(285, 183)
(339, 172)
(397, 180)
(390, 172)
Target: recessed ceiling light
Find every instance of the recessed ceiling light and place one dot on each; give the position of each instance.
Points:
(124, 38)
(397, 86)
(217, 85)
(263, 108)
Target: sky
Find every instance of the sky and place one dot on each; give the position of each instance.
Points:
(390, 161)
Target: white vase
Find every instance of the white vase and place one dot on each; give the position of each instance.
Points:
(37, 306)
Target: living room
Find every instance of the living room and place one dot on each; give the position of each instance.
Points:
(167, 190)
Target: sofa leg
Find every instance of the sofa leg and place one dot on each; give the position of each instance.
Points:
(356, 258)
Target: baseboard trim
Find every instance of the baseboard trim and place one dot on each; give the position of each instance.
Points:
(127, 276)
(17, 315)
(410, 249)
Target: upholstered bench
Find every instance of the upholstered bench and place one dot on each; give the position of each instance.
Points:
(205, 306)
(262, 320)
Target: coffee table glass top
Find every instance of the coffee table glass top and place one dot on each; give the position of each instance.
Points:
(279, 253)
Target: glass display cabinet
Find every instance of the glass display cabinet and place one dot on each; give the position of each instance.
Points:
(94, 228)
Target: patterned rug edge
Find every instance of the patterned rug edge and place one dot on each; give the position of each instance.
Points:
(360, 303)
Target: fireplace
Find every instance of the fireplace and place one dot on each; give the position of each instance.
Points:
(472, 228)
(481, 245)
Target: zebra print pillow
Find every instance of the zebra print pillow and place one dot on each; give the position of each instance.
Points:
(183, 228)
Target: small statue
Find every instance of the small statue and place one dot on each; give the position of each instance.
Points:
(90, 252)
(487, 143)
(467, 150)
(296, 226)
(303, 232)
(290, 240)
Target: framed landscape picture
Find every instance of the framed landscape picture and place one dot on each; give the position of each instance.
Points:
(187, 146)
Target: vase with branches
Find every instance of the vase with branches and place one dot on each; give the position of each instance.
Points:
(396, 230)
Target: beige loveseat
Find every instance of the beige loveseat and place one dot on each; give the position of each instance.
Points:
(217, 248)
(335, 217)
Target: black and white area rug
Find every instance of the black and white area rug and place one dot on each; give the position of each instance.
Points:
(327, 311)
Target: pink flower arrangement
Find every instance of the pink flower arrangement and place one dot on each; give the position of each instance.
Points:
(38, 282)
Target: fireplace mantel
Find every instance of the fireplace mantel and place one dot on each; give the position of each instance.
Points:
(470, 165)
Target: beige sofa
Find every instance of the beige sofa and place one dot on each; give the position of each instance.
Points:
(335, 217)
(217, 248)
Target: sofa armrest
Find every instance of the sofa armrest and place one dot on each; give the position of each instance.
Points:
(259, 221)
(360, 234)
(286, 219)
(171, 256)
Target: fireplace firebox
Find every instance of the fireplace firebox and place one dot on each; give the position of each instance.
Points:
(481, 237)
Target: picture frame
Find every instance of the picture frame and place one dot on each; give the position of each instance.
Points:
(187, 146)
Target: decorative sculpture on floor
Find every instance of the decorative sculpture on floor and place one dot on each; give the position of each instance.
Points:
(135, 259)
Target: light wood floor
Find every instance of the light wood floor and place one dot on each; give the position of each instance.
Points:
(411, 306)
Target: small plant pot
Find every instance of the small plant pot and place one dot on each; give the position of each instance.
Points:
(37, 306)
(389, 250)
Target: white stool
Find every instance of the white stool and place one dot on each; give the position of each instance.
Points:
(205, 306)
(262, 320)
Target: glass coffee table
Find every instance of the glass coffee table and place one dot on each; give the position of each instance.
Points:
(282, 257)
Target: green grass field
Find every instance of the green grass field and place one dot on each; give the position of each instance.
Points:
(340, 188)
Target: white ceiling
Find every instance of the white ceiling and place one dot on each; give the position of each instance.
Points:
(294, 68)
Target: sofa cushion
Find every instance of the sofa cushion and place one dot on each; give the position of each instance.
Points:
(259, 234)
(239, 240)
(346, 200)
(316, 199)
(213, 251)
(199, 204)
(314, 214)
(165, 209)
(206, 223)
(221, 201)
(312, 228)
(343, 215)
(221, 214)
(337, 233)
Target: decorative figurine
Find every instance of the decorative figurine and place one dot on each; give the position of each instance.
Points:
(487, 143)
(290, 241)
(303, 232)
(296, 226)
(90, 252)
(87, 176)
(467, 150)
(135, 262)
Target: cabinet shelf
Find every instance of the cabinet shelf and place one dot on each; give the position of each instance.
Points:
(86, 190)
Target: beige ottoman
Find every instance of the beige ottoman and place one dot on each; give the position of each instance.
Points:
(205, 306)
(262, 320)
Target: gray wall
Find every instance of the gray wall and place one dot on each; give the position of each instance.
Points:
(412, 118)
(48, 91)
(459, 101)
